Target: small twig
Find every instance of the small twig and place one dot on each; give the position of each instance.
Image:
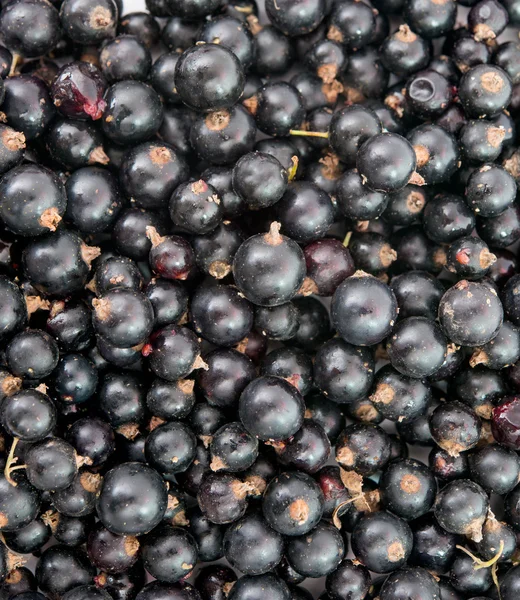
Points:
(484, 564)
(291, 171)
(302, 132)
(11, 461)
(335, 517)
(346, 241)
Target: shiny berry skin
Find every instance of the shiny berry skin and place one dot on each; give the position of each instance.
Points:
(493, 534)
(196, 207)
(433, 547)
(363, 310)
(214, 63)
(70, 324)
(404, 52)
(410, 580)
(92, 438)
(255, 586)
(222, 497)
(348, 582)
(111, 553)
(175, 128)
(133, 113)
(161, 75)
(169, 553)
(28, 415)
(122, 399)
(251, 546)
(277, 322)
(417, 347)
(271, 408)
(481, 141)
(296, 18)
(142, 25)
(169, 300)
(132, 500)
(490, 190)
(418, 294)
(455, 427)
(428, 19)
(75, 144)
(77, 91)
(89, 22)
(71, 563)
(274, 51)
(13, 309)
(382, 542)
(94, 199)
(277, 108)
(293, 503)
(387, 161)
(12, 148)
(350, 128)
(308, 450)
(28, 105)
(351, 25)
(363, 448)
(125, 57)
(115, 310)
(214, 252)
(461, 322)
(329, 263)
(484, 91)
(150, 173)
(446, 218)
(269, 268)
(505, 422)
(221, 137)
(259, 179)
(469, 258)
(18, 34)
(408, 488)
(171, 257)
(173, 352)
(500, 231)
(487, 19)
(233, 449)
(436, 151)
(32, 354)
(291, 364)
(355, 200)
(327, 59)
(495, 468)
(461, 507)
(116, 271)
(305, 212)
(317, 553)
(344, 373)
(233, 34)
(428, 93)
(227, 375)
(129, 233)
(51, 464)
(170, 448)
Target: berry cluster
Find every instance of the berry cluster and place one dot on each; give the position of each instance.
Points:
(223, 269)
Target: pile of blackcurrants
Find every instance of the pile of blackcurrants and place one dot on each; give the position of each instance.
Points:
(174, 381)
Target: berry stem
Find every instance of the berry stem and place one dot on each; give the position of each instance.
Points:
(11, 460)
(484, 564)
(335, 515)
(320, 134)
(14, 64)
